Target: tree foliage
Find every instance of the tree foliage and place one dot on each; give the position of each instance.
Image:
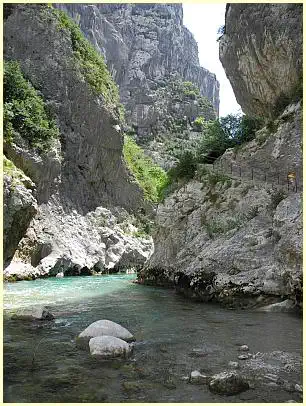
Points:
(185, 168)
(217, 136)
(25, 112)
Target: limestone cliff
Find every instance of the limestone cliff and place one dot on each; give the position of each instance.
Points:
(144, 45)
(82, 170)
(234, 233)
(261, 52)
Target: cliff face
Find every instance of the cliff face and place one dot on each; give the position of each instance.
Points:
(234, 233)
(261, 52)
(81, 171)
(93, 172)
(143, 45)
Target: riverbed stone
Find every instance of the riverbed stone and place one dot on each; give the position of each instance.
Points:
(103, 328)
(228, 383)
(105, 347)
(33, 313)
(199, 379)
(298, 388)
(243, 348)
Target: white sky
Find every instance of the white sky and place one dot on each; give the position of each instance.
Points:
(203, 20)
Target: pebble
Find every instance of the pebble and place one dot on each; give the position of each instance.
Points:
(243, 348)
(298, 388)
(243, 356)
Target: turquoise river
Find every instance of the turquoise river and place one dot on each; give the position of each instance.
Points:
(174, 336)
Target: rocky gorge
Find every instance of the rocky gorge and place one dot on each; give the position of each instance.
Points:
(100, 101)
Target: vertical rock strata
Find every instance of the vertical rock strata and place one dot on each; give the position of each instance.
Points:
(144, 44)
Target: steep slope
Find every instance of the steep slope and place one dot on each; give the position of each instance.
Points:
(83, 169)
(144, 45)
(234, 233)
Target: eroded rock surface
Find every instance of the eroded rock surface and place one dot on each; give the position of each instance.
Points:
(261, 52)
(224, 243)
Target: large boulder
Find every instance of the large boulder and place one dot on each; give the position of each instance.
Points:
(108, 347)
(228, 383)
(103, 328)
(33, 313)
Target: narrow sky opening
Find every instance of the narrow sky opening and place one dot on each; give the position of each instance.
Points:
(203, 20)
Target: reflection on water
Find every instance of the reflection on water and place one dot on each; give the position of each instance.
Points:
(174, 336)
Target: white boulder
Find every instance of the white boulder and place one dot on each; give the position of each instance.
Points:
(103, 328)
(105, 347)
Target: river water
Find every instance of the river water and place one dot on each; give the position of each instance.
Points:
(174, 337)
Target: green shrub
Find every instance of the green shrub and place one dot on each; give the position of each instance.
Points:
(199, 123)
(152, 179)
(190, 90)
(91, 63)
(186, 167)
(215, 227)
(25, 112)
(213, 143)
(248, 127)
(17, 175)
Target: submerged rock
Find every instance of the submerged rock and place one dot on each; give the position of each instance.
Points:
(60, 275)
(108, 347)
(199, 379)
(228, 383)
(33, 313)
(103, 328)
(284, 306)
(243, 356)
